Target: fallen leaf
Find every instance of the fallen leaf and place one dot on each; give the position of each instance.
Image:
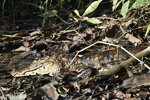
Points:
(112, 32)
(37, 32)
(22, 49)
(71, 15)
(77, 38)
(12, 38)
(132, 39)
(21, 96)
(119, 94)
(27, 44)
(143, 79)
(88, 31)
(22, 34)
(5, 26)
(50, 91)
(40, 46)
(106, 39)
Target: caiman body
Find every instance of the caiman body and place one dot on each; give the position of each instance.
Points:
(102, 61)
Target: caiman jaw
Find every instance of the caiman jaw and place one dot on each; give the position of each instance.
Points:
(45, 65)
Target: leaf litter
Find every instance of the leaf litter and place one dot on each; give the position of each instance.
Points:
(21, 47)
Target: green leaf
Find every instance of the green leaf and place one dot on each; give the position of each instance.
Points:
(59, 91)
(140, 3)
(84, 18)
(92, 7)
(115, 4)
(3, 7)
(93, 21)
(76, 12)
(124, 8)
(147, 31)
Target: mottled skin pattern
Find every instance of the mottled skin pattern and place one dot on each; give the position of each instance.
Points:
(51, 64)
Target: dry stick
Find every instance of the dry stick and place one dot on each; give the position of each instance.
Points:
(3, 94)
(109, 45)
(135, 58)
(61, 19)
(122, 31)
(79, 52)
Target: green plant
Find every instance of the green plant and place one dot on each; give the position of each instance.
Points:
(60, 3)
(147, 31)
(13, 7)
(129, 4)
(143, 58)
(90, 9)
(45, 14)
(3, 8)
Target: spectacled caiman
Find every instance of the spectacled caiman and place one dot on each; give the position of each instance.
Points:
(102, 61)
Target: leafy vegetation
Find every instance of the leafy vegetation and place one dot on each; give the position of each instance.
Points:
(90, 9)
(128, 5)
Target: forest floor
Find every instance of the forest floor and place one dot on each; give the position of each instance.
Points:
(66, 58)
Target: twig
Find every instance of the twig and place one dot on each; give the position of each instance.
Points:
(3, 94)
(122, 31)
(61, 19)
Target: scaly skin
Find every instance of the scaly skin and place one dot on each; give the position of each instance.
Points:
(49, 65)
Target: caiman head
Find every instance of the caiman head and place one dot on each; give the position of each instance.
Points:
(45, 65)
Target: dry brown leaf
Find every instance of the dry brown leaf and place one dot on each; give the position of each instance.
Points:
(88, 31)
(65, 47)
(83, 35)
(77, 38)
(50, 91)
(15, 36)
(76, 86)
(126, 24)
(22, 34)
(132, 39)
(40, 46)
(71, 15)
(21, 96)
(112, 32)
(144, 94)
(115, 94)
(102, 27)
(119, 94)
(106, 39)
(35, 32)
(5, 26)
(12, 38)
(27, 44)
(21, 49)
(143, 79)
